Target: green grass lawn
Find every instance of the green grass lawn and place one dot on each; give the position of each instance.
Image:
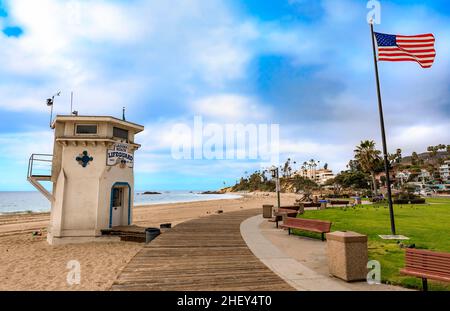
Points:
(427, 226)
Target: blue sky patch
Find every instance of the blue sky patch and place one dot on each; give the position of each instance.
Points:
(3, 12)
(13, 31)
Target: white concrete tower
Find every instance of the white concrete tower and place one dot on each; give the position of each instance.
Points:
(92, 176)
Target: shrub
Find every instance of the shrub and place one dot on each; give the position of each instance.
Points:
(377, 200)
(401, 201)
(418, 201)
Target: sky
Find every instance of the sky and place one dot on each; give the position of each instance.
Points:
(306, 65)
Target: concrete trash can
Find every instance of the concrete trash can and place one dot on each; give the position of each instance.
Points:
(347, 255)
(151, 233)
(267, 211)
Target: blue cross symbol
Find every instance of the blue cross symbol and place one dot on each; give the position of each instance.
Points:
(84, 159)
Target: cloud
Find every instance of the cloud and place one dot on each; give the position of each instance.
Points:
(415, 138)
(230, 107)
(309, 69)
(73, 45)
(15, 149)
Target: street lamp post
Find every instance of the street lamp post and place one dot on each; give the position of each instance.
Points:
(276, 175)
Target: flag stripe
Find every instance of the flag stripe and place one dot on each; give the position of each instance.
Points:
(401, 51)
(424, 60)
(416, 36)
(421, 45)
(409, 59)
(421, 57)
(415, 42)
(408, 52)
(415, 50)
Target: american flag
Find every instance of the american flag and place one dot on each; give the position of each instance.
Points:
(394, 48)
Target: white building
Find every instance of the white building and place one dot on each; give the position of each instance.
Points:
(91, 174)
(424, 176)
(444, 171)
(320, 176)
(323, 176)
(402, 176)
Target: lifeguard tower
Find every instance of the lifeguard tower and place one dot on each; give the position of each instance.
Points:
(91, 174)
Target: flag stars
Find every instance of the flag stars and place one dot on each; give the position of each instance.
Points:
(386, 40)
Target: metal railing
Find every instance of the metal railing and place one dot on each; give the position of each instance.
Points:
(40, 165)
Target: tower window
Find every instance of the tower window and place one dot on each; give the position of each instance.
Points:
(120, 133)
(86, 129)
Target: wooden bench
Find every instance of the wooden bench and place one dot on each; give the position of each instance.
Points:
(427, 265)
(334, 202)
(291, 208)
(309, 204)
(278, 216)
(311, 225)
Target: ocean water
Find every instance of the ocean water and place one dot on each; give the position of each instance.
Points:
(32, 201)
(178, 197)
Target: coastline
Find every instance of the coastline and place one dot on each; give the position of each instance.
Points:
(225, 197)
(29, 263)
(21, 206)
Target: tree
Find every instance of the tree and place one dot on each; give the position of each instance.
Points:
(433, 152)
(256, 181)
(325, 166)
(312, 165)
(350, 179)
(415, 159)
(287, 168)
(396, 158)
(303, 184)
(369, 159)
(353, 165)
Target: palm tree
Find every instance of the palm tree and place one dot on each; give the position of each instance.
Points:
(433, 152)
(415, 158)
(368, 158)
(305, 169)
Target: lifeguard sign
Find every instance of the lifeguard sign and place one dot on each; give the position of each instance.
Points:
(120, 155)
(92, 176)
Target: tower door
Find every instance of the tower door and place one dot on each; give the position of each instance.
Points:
(117, 206)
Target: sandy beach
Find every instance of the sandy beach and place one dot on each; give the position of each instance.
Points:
(29, 263)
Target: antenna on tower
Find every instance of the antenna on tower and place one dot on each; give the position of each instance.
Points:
(50, 102)
(72, 112)
(71, 102)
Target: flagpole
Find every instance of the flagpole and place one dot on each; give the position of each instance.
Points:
(383, 134)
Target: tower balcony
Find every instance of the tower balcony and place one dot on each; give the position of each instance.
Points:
(40, 169)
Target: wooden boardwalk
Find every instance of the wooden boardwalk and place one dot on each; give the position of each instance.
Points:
(205, 254)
